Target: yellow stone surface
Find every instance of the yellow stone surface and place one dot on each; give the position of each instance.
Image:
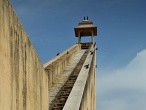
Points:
(23, 81)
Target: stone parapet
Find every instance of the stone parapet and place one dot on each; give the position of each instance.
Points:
(56, 66)
(82, 96)
(88, 101)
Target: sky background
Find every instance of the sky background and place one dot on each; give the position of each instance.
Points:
(121, 41)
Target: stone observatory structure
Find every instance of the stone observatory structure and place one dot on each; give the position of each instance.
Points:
(67, 82)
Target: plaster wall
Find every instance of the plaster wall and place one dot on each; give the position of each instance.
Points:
(23, 81)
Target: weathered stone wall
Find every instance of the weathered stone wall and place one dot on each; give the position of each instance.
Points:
(89, 97)
(56, 66)
(23, 81)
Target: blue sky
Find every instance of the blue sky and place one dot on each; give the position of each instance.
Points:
(121, 42)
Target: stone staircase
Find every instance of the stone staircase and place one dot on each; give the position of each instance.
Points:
(60, 81)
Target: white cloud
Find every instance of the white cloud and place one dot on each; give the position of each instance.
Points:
(125, 88)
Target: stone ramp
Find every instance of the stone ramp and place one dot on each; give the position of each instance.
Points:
(60, 81)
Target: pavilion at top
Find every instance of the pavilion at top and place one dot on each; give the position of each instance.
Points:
(85, 28)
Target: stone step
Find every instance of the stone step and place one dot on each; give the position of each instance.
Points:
(54, 89)
(66, 88)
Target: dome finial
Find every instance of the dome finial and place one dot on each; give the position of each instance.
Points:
(87, 18)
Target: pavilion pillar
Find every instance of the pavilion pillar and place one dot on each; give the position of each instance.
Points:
(92, 37)
(79, 38)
